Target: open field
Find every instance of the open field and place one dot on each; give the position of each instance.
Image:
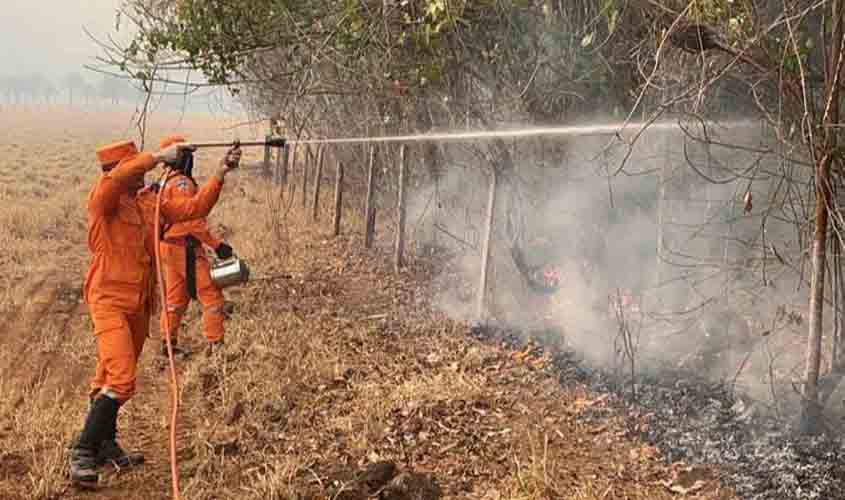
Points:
(332, 364)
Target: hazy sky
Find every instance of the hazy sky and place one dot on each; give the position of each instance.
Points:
(47, 35)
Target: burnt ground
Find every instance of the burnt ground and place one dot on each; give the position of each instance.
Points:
(696, 421)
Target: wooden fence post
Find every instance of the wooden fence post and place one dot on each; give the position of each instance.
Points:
(288, 158)
(371, 226)
(290, 168)
(267, 155)
(485, 252)
(305, 168)
(399, 249)
(315, 211)
(338, 198)
(369, 220)
(281, 157)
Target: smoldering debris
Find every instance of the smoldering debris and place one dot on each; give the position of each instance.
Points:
(696, 421)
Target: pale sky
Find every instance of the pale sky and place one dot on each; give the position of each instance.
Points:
(47, 36)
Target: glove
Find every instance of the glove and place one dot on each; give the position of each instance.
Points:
(233, 157)
(223, 251)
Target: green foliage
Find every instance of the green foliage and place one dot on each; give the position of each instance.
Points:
(220, 36)
(539, 57)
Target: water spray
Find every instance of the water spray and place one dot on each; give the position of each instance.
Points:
(613, 129)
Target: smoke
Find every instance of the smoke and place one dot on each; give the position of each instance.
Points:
(669, 235)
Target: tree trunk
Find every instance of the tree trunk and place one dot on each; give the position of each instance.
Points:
(829, 383)
(811, 408)
(811, 411)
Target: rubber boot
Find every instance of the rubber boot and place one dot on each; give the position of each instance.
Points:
(75, 440)
(111, 452)
(83, 456)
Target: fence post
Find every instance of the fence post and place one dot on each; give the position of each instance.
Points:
(290, 168)
(283, 171)
(305, 168)
(315, 211)
(267, 155)
(398, 255)
(371, 226)
(485, 251)
(338, 198)
(369, 221)
(281, 157)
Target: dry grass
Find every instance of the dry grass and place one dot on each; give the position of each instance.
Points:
(332, 363)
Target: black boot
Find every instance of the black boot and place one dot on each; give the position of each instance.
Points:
(83, 456)
(75, 440)
(111, 453)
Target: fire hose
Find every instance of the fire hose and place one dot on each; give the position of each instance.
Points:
(174, 380)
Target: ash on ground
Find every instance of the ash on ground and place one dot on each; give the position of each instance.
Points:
(696, 421)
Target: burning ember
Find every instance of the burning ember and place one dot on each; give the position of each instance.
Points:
(550, 276)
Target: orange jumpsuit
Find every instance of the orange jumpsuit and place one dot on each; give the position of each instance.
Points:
(180, 187)
(119, 286)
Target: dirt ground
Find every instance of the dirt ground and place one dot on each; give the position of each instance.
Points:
(338, 380)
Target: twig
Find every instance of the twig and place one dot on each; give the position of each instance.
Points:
(456, 238)
(142, 119)
(740, 369)
(272, 277)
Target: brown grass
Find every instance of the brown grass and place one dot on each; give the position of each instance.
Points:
(339, 365)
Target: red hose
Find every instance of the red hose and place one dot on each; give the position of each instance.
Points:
(174, 381)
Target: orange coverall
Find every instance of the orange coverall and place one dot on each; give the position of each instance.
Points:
(119, 286)
(180, 187)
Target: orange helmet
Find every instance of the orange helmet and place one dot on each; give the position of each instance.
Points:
(171, 140)
(112, 154)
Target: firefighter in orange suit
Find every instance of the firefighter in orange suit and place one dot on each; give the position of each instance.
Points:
(119, 287)
(187, 271)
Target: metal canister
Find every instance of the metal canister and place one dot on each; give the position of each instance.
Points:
(229, 272)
